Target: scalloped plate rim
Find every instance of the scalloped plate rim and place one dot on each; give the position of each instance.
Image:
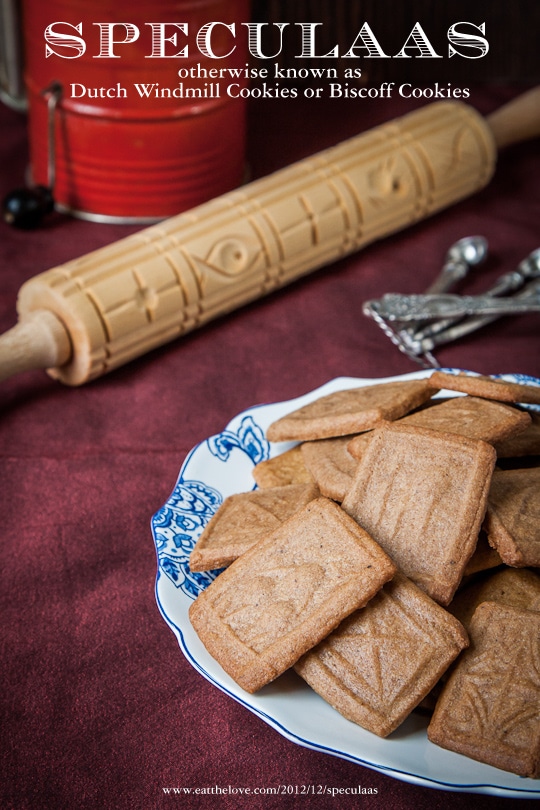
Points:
(173, 604)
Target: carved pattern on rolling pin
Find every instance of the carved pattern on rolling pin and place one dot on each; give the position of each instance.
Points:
(149, 288)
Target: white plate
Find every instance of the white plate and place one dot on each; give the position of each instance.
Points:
(221, 466)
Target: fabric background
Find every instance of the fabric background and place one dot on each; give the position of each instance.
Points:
(100, 709)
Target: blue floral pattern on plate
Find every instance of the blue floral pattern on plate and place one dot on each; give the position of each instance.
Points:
(179, 523)
(222, 466)
(249, 437)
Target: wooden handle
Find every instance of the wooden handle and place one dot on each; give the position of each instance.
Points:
(39, 340)
(517, 121)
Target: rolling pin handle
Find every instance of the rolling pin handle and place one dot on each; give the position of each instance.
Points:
(517, 121)
(38, 341)
(26, 207)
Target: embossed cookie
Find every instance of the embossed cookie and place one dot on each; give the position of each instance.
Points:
(351, 411)
(468, 416)
(331, 465)
(512, 521)
(361, 668)
(243, 519)
(287, 468)
(519, 587)
(526, 443)
(487, 387)
(422, 494)
(288, 592)
(473, 417)
(490, 705)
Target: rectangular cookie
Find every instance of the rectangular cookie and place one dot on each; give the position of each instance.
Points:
(474, 417)
(422, 494)
(350, 411)
(512, 521)
(470, 416)
(381, 662)
(243, 519)
(278, 471)
(478, 385)
(358, 445)
(526, 443)
(484, 558)
(288, 592)
(489, 708)
(519, 587)
(331, 465)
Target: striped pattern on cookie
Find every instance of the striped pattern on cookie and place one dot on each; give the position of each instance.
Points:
(422, 495)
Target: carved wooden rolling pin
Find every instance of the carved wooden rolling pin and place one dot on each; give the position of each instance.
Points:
(91, 315)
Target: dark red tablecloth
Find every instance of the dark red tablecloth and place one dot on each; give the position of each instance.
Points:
(100, 709)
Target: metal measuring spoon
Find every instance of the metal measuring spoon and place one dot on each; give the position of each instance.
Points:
(464, 254)
(526, 277)
(460, 258)
(528, 269)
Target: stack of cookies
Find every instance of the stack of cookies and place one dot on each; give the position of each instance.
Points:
(392, 558)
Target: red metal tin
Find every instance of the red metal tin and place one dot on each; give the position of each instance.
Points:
(121, 155)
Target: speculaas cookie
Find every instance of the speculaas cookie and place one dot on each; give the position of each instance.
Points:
(358, 445)
(484, 558)
(278, 471)
(487, 387)
(512, 522)
(526, 443)
(288, 592)
(519, 587)
(468, 416)
(490, 705)
(385, 658)
(243, 519)
(421, 494)
(474, 417)
(350, 411)
(331, 465)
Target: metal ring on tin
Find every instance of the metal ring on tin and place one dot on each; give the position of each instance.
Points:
(26, 207)
(53, 94)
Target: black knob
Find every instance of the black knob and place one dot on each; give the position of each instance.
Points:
(25, 207)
